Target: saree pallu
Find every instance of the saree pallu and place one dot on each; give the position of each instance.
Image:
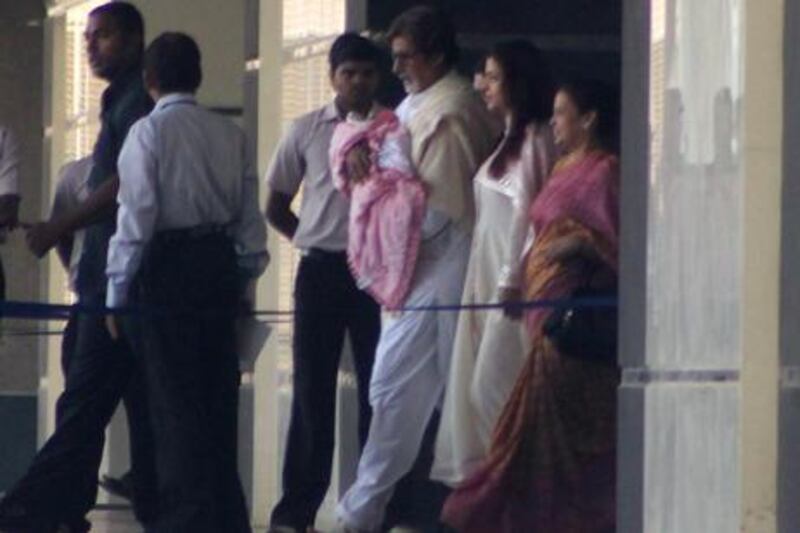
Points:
(552, 464)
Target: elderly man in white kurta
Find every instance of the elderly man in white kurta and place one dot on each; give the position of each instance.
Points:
(451, 135)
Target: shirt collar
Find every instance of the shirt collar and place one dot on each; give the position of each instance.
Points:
(435, 86)
(373, 111)
(330, 113)
(413, 101)
(121, 84)
(174, 98)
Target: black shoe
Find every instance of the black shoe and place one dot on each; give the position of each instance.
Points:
(121, 486)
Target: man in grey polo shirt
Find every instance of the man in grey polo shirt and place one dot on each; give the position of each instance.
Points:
(328, 303)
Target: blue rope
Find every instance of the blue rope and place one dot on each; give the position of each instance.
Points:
(46, 311)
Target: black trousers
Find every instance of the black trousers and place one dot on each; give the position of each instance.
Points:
(61, 483)
(188, 288)
(328, 304)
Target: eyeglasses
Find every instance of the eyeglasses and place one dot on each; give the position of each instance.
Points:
(404, 57)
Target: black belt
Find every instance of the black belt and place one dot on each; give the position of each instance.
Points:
(318, 254)
(193, 233)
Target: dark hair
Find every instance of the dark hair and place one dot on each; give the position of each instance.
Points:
(430, 29)
(603, 99)
(529, 90)
(173, 62)
(480, 65)
(351, 46)
(128, 19)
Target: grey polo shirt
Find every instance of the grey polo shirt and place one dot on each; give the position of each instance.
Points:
(302, 158)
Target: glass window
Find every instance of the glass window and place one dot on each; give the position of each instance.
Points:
(83, 89)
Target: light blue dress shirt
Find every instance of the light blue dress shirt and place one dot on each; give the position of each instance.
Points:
(183, 166)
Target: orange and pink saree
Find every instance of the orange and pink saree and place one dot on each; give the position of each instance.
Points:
(551, 467)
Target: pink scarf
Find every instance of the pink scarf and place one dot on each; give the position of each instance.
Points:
(386, 209)
(586, 191)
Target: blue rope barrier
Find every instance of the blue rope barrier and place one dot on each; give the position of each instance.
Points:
(46, 311)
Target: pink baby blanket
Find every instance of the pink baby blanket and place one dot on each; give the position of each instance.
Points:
(386, 208)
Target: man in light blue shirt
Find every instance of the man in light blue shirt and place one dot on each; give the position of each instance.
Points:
(189, 236)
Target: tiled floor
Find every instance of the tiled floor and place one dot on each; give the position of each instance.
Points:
(120, 521)
(114, 521)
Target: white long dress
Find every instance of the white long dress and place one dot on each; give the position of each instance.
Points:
(489, 348)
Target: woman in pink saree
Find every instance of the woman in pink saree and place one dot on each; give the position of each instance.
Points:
(551, 466)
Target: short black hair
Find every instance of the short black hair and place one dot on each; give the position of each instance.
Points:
(351, 46)
(127, 17)
(430, 29)
(173, 62)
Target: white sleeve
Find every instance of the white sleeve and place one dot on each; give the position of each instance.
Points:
(63, 197)
(138, 210)
(70, 186)
(9, 163)
(395, 153)
(535, 160)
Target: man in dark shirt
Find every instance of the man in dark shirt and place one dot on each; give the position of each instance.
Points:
(60, 487)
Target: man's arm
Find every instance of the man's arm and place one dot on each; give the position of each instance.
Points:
(64, 251)
(100, 205)
(280, 215)
(284, 176)
(138, 212)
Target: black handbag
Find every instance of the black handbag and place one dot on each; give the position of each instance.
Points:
(585, 332)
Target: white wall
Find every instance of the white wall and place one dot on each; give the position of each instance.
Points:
(218, 27)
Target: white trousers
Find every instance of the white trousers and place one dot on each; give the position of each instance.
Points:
(411, 370)
(484, 369)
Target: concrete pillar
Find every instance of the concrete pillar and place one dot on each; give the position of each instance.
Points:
(21, 66)
(263, 124)
(700, 263)
(789, 419)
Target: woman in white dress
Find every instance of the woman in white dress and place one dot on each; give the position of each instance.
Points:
(491, 345)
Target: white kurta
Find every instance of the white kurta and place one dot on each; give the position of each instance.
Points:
(489, 348)
(451, 134)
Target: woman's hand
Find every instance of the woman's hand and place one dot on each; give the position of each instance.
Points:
(358, 162)
(510, 298)
(566, 249)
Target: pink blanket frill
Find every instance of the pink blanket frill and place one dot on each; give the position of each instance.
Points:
(386, 211)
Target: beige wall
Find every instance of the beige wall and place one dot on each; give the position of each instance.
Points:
(21, 31)
(701, 262)
(218, 27)
(763, 153)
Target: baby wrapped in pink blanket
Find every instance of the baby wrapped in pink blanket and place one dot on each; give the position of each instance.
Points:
(386, 208)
